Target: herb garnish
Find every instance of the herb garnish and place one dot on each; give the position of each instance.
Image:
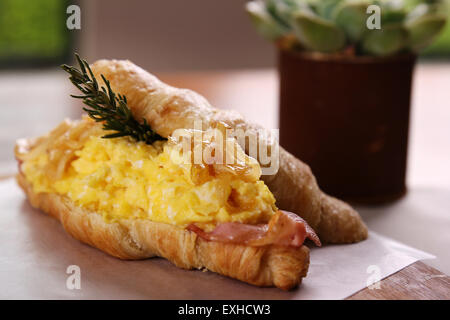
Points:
(104, 105)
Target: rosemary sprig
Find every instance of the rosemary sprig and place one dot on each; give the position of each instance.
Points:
(104, 105)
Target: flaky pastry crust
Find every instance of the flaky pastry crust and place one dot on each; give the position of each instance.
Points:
(167, 108)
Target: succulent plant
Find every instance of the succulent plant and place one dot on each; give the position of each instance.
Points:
(341, 25)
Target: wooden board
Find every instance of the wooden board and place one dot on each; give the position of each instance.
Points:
(417, 281)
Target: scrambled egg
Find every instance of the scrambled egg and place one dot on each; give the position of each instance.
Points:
(120, 178)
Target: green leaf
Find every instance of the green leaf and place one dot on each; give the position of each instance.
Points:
(264, 23)
(424, 29)
(388, 40)
(325, 8)
(280, 11)
(392, 15)
(284, 10)
(352, 18)
(318, 34)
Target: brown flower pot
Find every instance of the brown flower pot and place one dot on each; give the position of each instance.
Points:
(348, 118)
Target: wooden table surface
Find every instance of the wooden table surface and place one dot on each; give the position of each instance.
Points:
(254, 94)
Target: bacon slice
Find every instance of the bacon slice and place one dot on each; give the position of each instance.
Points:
(285, 228)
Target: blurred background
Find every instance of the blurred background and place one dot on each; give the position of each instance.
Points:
(181, 41)
(184, 42)
(157, 35)
(209, 46)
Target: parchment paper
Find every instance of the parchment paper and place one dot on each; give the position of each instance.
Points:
(35, 253)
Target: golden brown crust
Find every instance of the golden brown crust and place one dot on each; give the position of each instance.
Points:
(338, 216)
(283, 267)
(167, 108)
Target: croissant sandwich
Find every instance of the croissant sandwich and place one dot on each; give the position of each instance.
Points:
(128, 180)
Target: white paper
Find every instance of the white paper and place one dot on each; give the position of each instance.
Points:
(35, 253)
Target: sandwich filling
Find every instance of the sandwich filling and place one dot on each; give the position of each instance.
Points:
(124, 179)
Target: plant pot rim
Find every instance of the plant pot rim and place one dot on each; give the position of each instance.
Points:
(342, 58)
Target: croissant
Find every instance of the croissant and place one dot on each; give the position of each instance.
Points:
(262, 255)
(280, 266)
(294, 186)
